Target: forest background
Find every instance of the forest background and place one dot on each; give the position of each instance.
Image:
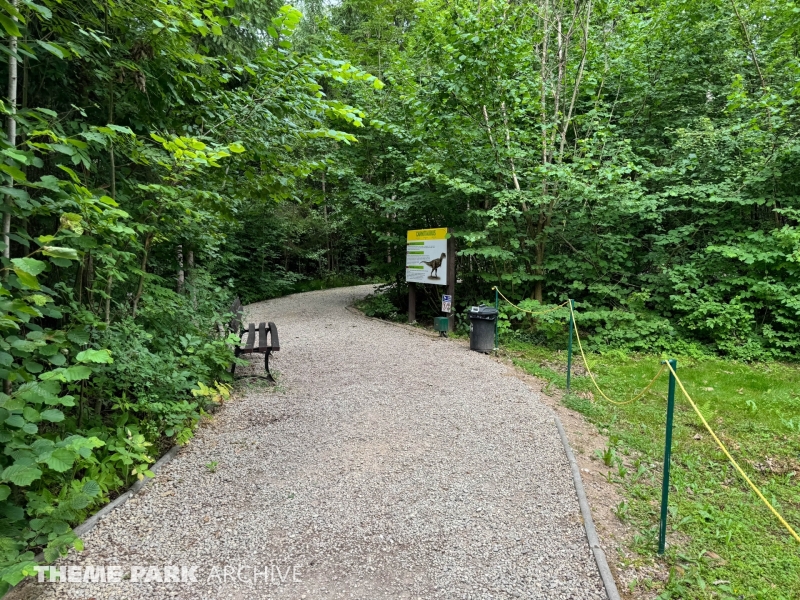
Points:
(163, 156)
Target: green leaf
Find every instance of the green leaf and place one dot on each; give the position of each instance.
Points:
(6, 359)
(80, 501)
(91, 488)
(15, 173)
(60, 460)
(29, 265)
(27, 280)
(77, 372)
(96, 356)
(12, 10)
(38, 299)
(109, 201)
(15, 421)
(5, 491)
(68, 253)
(17, 156)
(78, 336)
(42, 10)
(48, 182)
(10, 26)
(38, 392)
(32, 366)
(71, 221)
(31, 414)
(14, 403)
(53, 48)
(53, 415)
(30, 428)
(12, 512)
(21, 474)
(24, 345)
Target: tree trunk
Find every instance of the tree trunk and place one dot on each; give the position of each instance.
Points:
(90, 281)
(181, 278)
(561, 23)
(148, 240)
(192, 278)
(109, 283)
(11, 130)
(327, 227)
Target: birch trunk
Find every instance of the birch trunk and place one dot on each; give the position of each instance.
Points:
(557, 118)
(192, 278)
(181, 277)
(11, 130)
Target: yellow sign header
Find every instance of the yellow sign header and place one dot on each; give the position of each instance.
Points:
(440, 233)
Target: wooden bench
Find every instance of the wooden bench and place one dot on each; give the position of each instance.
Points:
(265, 333)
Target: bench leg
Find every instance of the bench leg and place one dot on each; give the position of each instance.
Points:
(266, 366)
(236, 352)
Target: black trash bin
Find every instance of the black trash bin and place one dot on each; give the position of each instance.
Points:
(482, 321)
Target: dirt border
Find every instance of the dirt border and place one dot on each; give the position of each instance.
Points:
(591, 533)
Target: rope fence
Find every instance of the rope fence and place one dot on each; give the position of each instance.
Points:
(674, 379)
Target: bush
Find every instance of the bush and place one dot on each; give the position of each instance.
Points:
(379, 306)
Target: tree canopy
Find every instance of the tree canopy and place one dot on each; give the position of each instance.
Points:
(161, 157)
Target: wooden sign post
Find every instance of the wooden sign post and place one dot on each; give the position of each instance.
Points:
(412, 302)
(451, 279)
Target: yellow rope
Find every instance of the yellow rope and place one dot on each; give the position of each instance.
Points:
(689, 398)
(591, 375)
(528, 311)
(730, 458)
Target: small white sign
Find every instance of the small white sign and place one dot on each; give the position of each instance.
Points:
(447, 303)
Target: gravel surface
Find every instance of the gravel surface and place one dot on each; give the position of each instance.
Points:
(386, 464)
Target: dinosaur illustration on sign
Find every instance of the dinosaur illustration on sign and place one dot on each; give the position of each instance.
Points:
(434, 265)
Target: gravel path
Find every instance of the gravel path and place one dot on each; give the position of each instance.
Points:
(387, 464)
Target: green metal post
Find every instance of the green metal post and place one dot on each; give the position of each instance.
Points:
(569, 345)
(497, 320)
(662, 530)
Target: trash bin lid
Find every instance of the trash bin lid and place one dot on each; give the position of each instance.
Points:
(483, 313)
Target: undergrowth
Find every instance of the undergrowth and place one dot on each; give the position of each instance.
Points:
(722, 541)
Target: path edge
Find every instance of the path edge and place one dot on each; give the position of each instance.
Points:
(588, 524)
(137, 487)
(92, 521)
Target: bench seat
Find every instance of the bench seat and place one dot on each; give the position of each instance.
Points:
(262, 339)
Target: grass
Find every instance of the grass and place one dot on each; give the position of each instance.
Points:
(722, 541)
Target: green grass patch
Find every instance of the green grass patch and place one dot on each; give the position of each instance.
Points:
(722, 541)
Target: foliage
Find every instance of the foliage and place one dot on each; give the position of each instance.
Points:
(722, 542)
(378, 306)
(142, 139)
(641, 159)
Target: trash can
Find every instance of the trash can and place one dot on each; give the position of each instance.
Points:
(482, 321)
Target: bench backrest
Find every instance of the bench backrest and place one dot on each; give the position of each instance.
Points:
(236, 322)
